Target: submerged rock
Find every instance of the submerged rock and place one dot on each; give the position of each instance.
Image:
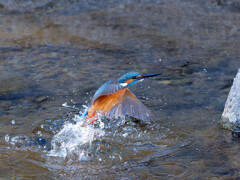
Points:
(231, 113)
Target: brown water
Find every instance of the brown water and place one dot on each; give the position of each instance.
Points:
(53, 52)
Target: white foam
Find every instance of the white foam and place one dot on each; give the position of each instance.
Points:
(69, 140)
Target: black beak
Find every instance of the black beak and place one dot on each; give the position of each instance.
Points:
(149, 75)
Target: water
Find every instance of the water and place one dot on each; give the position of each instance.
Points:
(55, 54)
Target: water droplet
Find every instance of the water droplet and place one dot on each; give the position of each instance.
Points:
(13, 121)
(39, 133)
(64, 104)
(7, 138)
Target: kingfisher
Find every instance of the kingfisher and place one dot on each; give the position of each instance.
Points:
(114, 99)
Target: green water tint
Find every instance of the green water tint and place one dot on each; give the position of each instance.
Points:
(52, 52)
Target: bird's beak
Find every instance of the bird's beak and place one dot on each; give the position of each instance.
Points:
(149, 75)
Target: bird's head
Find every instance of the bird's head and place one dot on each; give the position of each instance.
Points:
(133, 77)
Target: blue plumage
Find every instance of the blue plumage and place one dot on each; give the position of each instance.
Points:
(111, 86)
(127, 76)
(101, 89)
(107, 88)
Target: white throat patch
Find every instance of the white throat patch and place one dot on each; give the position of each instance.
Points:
(124, 84)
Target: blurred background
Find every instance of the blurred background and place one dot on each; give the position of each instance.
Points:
(54, 54)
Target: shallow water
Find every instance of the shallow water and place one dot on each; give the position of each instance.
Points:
(55, 54)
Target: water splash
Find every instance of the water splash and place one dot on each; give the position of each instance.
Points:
(72, 139)
(69, 138)
(65, 104)
(24, 142)
(99, 142)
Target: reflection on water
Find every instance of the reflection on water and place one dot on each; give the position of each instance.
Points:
(55, 54)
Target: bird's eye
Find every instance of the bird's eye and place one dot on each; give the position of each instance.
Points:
(134, 77)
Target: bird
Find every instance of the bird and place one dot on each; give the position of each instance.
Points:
(114, 99)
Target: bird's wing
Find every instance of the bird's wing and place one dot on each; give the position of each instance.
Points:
(107, 88)
(130, 106)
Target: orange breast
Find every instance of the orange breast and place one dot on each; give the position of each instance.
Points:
(106, 102)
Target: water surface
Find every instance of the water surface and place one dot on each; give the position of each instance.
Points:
(55, 54)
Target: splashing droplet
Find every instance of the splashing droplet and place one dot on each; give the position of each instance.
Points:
(69, 140)
(7, 138)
